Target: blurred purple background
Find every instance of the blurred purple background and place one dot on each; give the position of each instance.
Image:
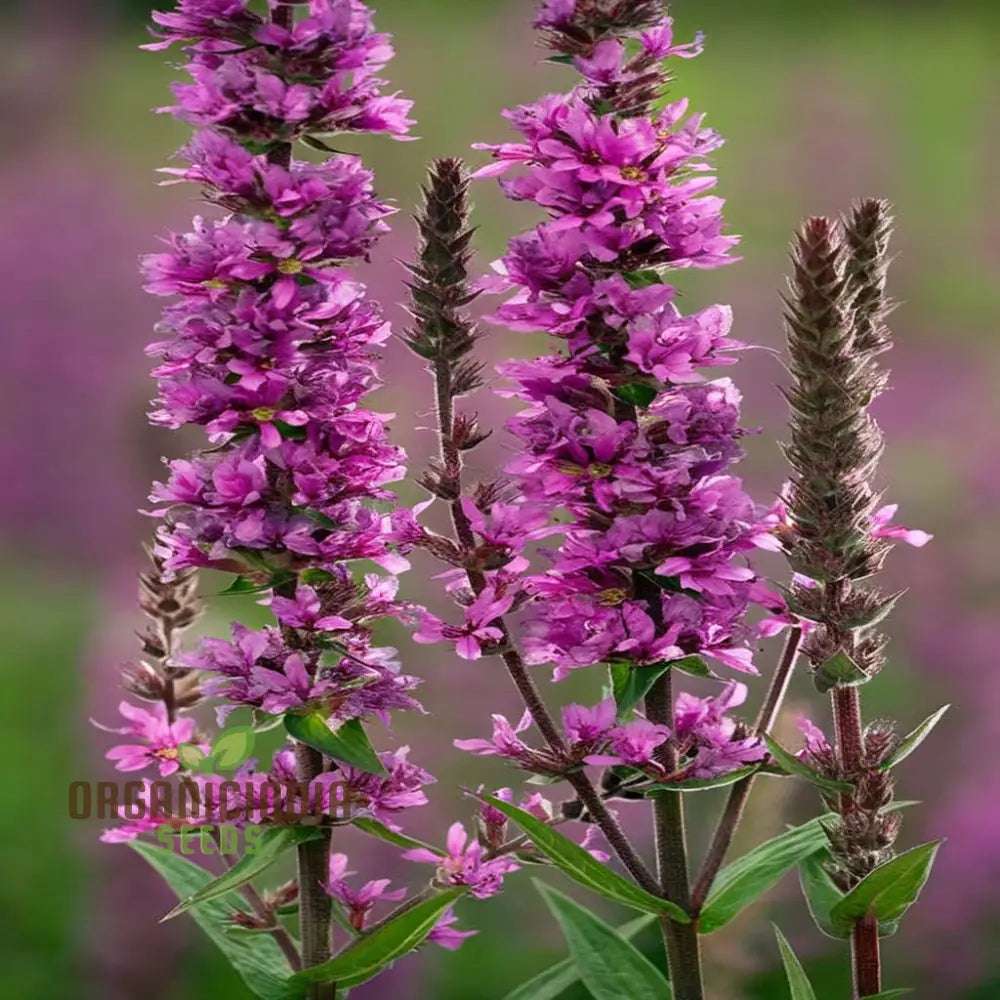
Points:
(895, 99)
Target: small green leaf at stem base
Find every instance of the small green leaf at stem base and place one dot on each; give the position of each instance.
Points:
(629, 684)
(889, 890)
(376, 829)
(839, 671)
(369, 954)
(889, 994)
(701, 784)
(348, 744)
(793, 765)
(582, 867)
(609, 966)
(913, 739)
(798, 981)
(822, 895)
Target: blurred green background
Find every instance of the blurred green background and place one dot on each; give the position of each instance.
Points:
(819, 103)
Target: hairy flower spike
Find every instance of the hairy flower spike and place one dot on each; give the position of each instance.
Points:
(836, 535)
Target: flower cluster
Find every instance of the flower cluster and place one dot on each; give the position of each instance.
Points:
(708, 742)
(275, 80)
(269, 346)
(622, 429)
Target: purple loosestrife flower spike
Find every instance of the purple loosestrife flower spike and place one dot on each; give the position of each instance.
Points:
(270, 345)
(490, 531)
(836, 535)
(621, 427)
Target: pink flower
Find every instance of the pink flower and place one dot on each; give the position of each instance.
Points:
(447, 936)
(159, 739)
(881, 528)
(464, 864)
(632, 743)
(478, 630)
(358, 902)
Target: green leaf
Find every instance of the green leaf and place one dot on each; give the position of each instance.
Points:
(821, 895)
(793, 765)
(244, 585)
(637, 393)
(232, 748)
(582, 867)
(699, 784)
(889, 890)
(376, 829)
(271, 845)
(798, 981)
(694, 666)
(552, 982)
(191, 756)
(365, 957)
(749, 877)
(313, 143)
(609, 966)
(630, 684)
(258, 960)
(644, 278)
(889, 994)
(561, 60)
(839, 671)
(912, 740)
(349, 744)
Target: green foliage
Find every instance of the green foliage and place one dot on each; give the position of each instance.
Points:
(609, 966)
(913, 739)
(889, 890)
(630, 684)
(379, 830)
(792, 765)
(749, 877)
(798, 981)
(257, 959)
(364, 958)
(349, 743)
(552, 982)
(582, 867)
(839, 671)
(271, 845)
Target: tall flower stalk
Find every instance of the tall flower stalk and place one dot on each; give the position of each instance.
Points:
(269, 346)
(836, 538)
(623, 433)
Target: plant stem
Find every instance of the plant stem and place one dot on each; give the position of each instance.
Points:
(865, 957)
(680, 940)
(732, 814)
(315, 907)
(867, 961)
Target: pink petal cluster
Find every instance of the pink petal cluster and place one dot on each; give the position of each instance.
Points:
(622, 429)
(465, 864)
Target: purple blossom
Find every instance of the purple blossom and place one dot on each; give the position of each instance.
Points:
(465, 864)
(358, 902)
(159, 739)
(587, 726)
(478, 631)
(447, 936)
(632, 743)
